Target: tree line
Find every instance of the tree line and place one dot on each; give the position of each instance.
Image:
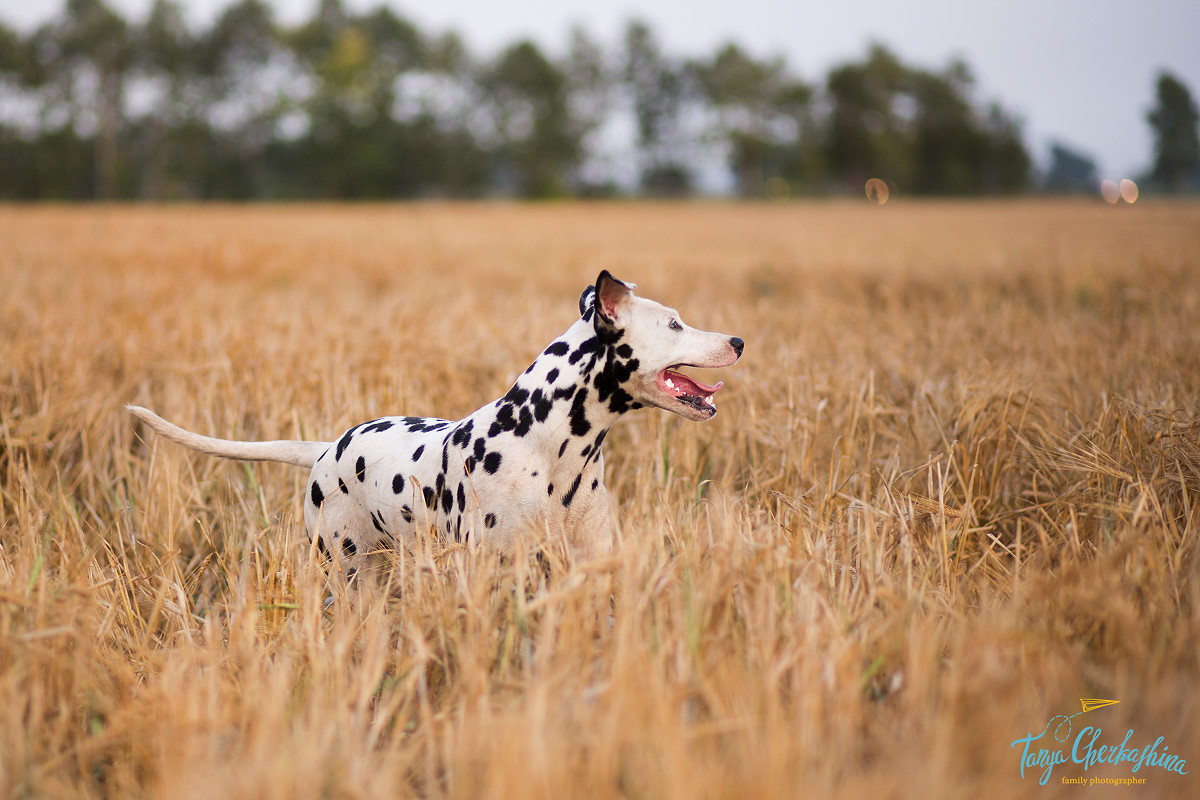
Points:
(365, 105)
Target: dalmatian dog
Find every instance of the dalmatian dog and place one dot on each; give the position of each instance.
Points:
(532, 459)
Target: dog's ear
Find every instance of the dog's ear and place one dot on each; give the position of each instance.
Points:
(587, 302)
(612, 296)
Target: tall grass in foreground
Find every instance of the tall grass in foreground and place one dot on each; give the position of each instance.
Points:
(952, 489)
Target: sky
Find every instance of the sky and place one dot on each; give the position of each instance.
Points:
(1077, 71)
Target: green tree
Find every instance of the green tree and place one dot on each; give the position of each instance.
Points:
(949, 147)
(10, 50)
(356, 146)
(87, 52)
(867, 135)
(165, 54)
(761, 113)
(239, 60)
(1070, 172)
(1176, 145)
(529, 97)
(589, 87)
(1008, 167)
(41, 155)
(659, 91)
(920, 130)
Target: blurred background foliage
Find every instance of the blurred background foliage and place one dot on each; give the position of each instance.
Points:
(351, 105)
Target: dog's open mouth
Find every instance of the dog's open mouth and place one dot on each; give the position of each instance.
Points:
(688, 391)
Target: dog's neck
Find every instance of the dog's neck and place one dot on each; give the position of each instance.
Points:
(570, 396)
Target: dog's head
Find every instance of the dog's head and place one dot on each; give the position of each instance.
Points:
(652, 343)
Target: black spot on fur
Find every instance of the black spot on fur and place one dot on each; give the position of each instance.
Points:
(342, 486)
(570, 495)
(563, 447)
(447, 500)
(348, 547)
(505, 421)
(421, 424)
(608, 334)
(343, 443)
(595, 447)
(587, 346)
(398, 484)
(462, 434)
(579, 421)
(550, 489)
(620, 402)
(557, 349)
(525, 423)
(321, 548)
(595, 483)
(586, 451)
(429, 497)
(552, 375)
(378, 426)
(462, 498)
(378, 523)
(624, 351)
(318, 496)
(480, 448)
(541, 405)
(489, 521)
(491, 462)
(360, 468)
(418, 453)
(517, 395)
(610, 381)
(406, 513)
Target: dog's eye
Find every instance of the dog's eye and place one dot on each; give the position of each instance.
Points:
(674, 325)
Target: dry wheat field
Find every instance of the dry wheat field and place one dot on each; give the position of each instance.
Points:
(953, 488)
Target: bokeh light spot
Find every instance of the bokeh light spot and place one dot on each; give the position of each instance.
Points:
(1129, 191)
(777, 188)
(1110, 190)
(877, 191)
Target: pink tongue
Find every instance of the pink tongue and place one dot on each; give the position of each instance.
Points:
(688, 386)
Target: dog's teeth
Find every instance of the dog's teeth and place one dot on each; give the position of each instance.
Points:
(709, 400)
(670, 383)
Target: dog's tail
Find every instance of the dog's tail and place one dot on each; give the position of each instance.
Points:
(300, 454)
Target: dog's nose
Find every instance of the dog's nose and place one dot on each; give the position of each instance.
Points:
(737, 345)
